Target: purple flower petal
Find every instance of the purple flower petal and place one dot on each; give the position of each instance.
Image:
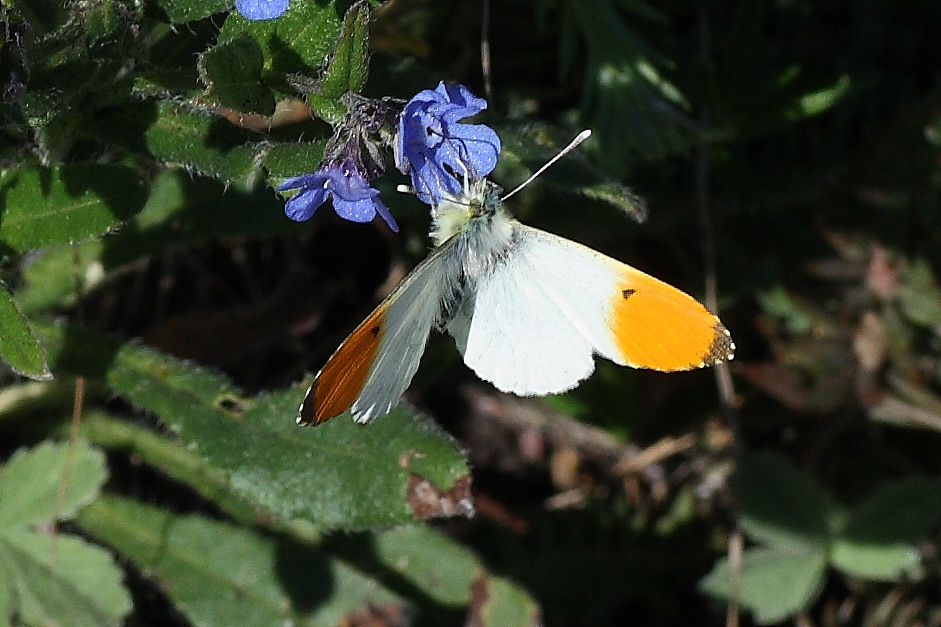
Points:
(261, 9)
(437, 150)
(353, 198)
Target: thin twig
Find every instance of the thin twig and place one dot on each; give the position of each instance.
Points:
(77, 403)
(722, 371)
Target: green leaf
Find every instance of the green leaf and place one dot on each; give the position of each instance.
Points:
(298, 41)
(879, 540)
(775, 583)
(231, 72)
(919, 295)
(30, 483)
(507, 604)
(6, 596)
(181, 209)
(340, 474)
(820, 101)
(452, 576)
(44, 206)
(292, 159)
(427, 559)
(217, 574)
(103, 22)
(179, 134)
(349, 64)
(181, 11)
(18, 346)
(63, 581)
(781, 505)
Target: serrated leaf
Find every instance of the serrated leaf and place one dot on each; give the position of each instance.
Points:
(231, 72)
(18, 346)
(31, 480)
(179, 134)
(775, 583)
(182, 11)
(71, 203)
(297, 42)
(218, 574)
(879, 540)
(781, 505)
(69, 583)
(337, 475)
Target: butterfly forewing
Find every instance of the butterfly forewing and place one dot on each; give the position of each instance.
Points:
(372, 368)
(539, 318)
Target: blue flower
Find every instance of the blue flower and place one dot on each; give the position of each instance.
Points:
(261, 9)
(353, 198)
(437, 150)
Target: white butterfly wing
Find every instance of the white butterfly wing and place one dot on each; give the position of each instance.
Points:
(538, 318)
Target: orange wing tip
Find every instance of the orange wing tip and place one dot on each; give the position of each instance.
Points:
(657, 326)
(338, 385)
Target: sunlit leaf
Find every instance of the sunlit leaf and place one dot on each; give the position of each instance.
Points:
(348, 64)
(178, 134)
(298, 41)
(63, 580)
(30, 483)
(180, 209)
(774, 584)
(339, 474)
(18, 346)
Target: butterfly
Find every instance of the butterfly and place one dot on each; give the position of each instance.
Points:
(527, 309)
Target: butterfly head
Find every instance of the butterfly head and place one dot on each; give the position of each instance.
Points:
(453, 213)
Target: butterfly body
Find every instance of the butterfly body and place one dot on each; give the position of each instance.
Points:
(527, 309)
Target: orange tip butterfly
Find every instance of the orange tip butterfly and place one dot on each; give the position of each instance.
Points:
(527, 309)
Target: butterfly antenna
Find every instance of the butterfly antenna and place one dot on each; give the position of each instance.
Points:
(571, 146)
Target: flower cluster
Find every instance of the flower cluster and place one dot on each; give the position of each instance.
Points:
(438, 150)
(431, 145)
(351, 159)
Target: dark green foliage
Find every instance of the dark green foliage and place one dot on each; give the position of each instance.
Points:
(790, 150)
